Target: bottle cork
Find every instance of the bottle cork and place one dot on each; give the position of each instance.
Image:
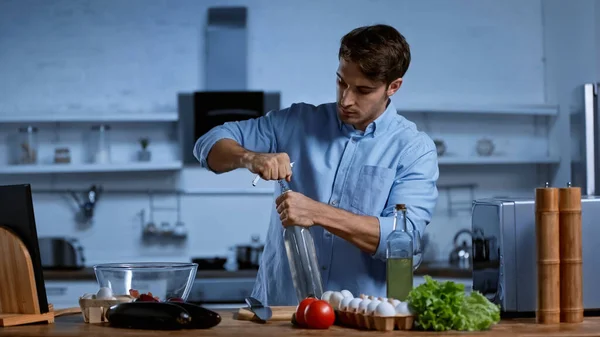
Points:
(571, 255)
(548, 258)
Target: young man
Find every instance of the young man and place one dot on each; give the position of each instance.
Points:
(354, 160)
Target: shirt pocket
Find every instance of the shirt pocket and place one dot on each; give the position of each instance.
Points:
(372, 189)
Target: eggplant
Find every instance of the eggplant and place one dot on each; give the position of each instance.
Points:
(202, 318)
(148, 315)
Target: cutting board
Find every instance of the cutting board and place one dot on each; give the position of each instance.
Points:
(282, 313)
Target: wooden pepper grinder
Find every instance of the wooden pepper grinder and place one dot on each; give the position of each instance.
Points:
(548, 258)
(571, 262)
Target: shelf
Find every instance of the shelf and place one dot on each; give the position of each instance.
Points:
(449, 160)
(90, 168)
(525, 109)
(91, 118)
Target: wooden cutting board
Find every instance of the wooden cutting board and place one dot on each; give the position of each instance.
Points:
(282, 313)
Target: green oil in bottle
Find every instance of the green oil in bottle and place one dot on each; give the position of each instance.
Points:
(399, 254)
(399, 277)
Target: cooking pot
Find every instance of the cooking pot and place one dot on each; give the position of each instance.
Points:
(248, 256)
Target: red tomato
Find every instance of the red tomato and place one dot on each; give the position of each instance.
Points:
(301, 308)
(319, 315)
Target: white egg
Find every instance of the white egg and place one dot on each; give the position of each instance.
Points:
(347, 293)
(104, 293)
(344, 304)
(403, 309)
(354, 303)
(372, 306)
(395, 302)
(385, 309)
(327, 295)
(362, 307)
(335, 300)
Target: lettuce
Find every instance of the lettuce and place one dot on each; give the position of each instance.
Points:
(442, 306)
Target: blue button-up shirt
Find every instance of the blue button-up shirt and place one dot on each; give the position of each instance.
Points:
(365, 173)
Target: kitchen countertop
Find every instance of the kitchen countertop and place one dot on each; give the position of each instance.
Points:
(74, 326)
(433, 269)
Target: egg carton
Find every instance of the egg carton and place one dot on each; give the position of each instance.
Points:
(372, 322)
(94, 310)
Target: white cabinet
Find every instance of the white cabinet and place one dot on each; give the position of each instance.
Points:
(65, 294)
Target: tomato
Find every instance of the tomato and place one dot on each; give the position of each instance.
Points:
(319, 314)
(301, 308)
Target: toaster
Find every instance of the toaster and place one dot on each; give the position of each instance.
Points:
(61, 253)
(504, 253)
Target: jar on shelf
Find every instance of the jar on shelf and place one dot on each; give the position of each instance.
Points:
(27, 149)
(99, 150)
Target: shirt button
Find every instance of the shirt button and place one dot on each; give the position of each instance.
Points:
(324, 267)
(327, 235)
(334, 202)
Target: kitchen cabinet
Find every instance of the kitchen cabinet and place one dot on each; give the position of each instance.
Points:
(65, 294)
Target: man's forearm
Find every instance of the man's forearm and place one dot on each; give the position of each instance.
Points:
(227, 155)
(360, 230)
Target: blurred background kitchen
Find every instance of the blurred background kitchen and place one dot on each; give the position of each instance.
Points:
(101, 101)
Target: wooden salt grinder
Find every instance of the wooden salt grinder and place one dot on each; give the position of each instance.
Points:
(548, 258)
(571, 261)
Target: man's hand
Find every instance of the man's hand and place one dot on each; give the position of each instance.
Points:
(269, 166)
(296, 209)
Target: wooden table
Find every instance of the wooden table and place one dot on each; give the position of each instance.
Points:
(74, 326)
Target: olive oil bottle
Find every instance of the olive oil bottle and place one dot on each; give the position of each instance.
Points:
(399, 251)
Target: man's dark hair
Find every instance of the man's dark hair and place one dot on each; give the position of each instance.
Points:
(380, 51)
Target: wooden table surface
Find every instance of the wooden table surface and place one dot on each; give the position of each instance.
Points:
(74, 326)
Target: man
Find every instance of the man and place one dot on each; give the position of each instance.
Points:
(353, 161)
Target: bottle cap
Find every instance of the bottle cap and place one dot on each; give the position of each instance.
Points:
(400, 207)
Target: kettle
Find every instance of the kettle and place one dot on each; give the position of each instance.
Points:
(461, 256)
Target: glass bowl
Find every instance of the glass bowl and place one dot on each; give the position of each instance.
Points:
(163, 280)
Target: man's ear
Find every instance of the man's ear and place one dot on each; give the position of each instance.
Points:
(394, 86)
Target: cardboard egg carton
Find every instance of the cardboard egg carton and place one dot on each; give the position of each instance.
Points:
(94, 310)
(371, 322)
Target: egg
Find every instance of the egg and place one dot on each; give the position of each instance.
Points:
(395, 302)
(347, 293)
(403, 309)
(385, 309)
(335, 299)
(362, 307)
(354, 303)
(327, 295)
(104, 293)
(372, 306)
(344, 303)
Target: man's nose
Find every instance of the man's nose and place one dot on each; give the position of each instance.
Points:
(347, 98)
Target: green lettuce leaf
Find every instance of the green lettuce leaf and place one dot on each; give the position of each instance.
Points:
(442, 306)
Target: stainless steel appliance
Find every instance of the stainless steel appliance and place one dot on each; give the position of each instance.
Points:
(200, 111)
(585, 127)
(504, 252)
(61, 253)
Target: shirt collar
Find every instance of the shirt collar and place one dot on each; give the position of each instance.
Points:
(379, 125)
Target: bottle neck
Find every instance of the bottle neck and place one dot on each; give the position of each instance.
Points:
(400, 220)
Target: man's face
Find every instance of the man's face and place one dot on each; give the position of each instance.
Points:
(360, 101)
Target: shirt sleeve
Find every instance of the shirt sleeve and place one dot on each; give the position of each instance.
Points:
(256, 135)
(416, 187)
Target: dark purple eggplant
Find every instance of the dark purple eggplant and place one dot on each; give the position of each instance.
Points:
(202, 318)
(148, 315)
